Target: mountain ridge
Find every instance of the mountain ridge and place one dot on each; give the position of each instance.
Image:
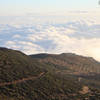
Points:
(61, 54)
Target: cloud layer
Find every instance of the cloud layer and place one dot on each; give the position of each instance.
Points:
(81, 37)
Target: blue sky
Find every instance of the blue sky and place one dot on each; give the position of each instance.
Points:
(8, 7)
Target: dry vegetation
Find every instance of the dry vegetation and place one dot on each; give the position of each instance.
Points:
(48, 77)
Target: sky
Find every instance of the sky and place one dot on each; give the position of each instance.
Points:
(17, 7)
(51, 26)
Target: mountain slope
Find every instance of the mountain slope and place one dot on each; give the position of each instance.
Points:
(85, 69)
(40, 78)
(70, 61)
(15, 65)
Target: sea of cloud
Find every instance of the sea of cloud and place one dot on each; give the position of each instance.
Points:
(75, 36)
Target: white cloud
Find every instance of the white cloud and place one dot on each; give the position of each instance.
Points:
(81, 37)
(25, 46)
(64, 43)
(16, 36)
(12, 44)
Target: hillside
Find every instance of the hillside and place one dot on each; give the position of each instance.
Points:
(70, 61)
(47, 77)
(85, 69)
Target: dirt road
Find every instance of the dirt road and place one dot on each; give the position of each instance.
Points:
(21, 80)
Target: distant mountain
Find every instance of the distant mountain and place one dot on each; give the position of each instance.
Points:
(70, 61)
(65, 76)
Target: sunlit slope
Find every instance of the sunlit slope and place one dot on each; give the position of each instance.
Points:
(70, 61)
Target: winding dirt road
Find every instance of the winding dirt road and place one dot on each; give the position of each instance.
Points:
(22, 80)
